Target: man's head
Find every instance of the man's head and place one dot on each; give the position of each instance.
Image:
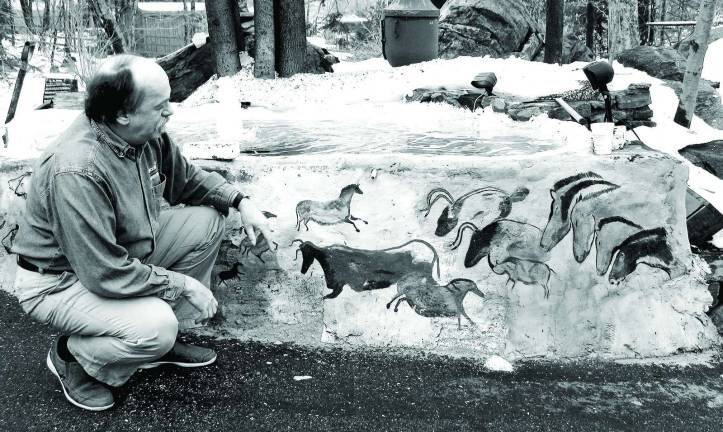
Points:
(130, 94)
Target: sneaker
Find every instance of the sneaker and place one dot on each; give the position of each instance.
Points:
(79, 388)
(184, 355)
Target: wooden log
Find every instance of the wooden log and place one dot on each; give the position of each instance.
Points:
(188, 68)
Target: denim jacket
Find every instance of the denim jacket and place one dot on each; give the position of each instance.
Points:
(93, 208)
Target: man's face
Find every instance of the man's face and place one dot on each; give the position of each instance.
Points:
(148, 121)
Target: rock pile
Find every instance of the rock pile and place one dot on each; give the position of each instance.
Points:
(630, 106)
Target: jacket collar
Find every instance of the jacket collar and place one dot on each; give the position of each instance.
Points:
(111, 139)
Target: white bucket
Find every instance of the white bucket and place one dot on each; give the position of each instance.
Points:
(602, 138)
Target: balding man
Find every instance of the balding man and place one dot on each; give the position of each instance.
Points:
(97, 257)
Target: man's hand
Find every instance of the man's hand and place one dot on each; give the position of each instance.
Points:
(252, 220)
(201, 298)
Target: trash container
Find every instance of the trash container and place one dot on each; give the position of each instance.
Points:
(410, 31)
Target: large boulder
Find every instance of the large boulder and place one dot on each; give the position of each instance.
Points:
(487, 27)
(669, 65)
(660, 62)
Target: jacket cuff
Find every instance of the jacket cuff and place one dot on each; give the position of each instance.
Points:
(176, 286)
(225, 196)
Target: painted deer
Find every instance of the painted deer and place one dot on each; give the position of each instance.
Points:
(429, 299)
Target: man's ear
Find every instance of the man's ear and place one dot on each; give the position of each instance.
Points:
(122, 119)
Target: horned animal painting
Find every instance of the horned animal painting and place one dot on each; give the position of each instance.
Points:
(476, 211)
(501, 239)
(329, 212)
(429, 299)
(566, 195)
(512, 248)
(262, 245)
(649, 247)
(20, 184)
(364, 270)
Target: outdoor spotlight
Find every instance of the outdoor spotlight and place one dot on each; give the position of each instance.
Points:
(600, 73)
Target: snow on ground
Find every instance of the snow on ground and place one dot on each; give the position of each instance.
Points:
(354, 86)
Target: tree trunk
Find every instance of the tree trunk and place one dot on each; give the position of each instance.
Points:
(290, 29)
(238, 31)
(125, 14)
(103, 17)
(643, 17)
(46, 16)
(223, 36)
(26, 6)
(696, 56)
(663, 16)
(6, 21)
(193, 5)
(264, 58)
(622, 26)
(590, 27)
(554, 28)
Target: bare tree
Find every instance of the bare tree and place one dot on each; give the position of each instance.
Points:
(290, 29)
(696, 56)
(223, 36)
(264, 57)
(105, 19)
(555, 23)
(622, 26)
(26, 6)
(125, 11)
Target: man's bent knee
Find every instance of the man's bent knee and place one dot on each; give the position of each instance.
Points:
(159, 332)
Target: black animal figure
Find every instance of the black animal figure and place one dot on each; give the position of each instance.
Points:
(9, 238)
(261, 246)
(18, 184)
(609, 234)
(457, 210)
(329, 212)
(526, 271)
(501, 239)
(648, 247)
(429, 299)
(233, 273)
(364, 270)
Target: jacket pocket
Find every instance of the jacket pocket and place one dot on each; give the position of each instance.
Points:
(158, 190)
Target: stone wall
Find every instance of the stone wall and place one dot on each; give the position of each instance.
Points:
(630, 106)
(554, 255)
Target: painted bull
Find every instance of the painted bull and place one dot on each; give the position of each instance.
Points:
(364, 270)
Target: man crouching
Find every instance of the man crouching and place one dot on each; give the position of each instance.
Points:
(97, 257)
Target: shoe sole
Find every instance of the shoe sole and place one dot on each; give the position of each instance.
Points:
(179, 364)
(51, 366)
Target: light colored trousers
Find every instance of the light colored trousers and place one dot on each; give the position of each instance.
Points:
(110, 337)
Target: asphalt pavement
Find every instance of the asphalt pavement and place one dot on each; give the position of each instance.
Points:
(279, 387)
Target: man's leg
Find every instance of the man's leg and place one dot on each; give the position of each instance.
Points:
(110, 338)
(188, 242)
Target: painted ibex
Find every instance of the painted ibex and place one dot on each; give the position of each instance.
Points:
(452, 214)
